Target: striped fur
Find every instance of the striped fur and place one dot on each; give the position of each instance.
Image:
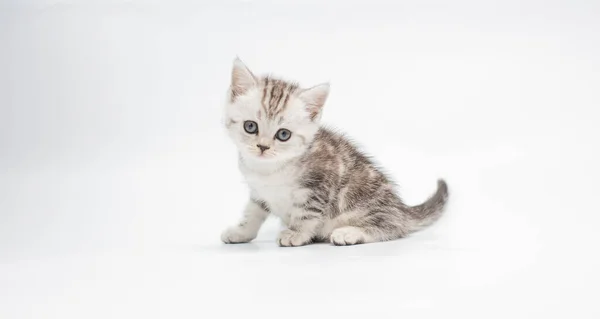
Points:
(276, 94)
(318, 183)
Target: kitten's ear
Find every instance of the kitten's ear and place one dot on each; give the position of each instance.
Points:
(242, 79)
(315, 98)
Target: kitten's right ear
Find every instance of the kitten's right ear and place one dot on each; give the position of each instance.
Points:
(242, 79)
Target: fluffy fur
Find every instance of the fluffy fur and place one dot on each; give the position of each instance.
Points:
(317, 182)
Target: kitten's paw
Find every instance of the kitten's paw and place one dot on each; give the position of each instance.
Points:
(347, 236)
(290, 238)
(236, 235)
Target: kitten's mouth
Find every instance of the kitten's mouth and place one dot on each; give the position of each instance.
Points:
(264, 156)
(260, 156)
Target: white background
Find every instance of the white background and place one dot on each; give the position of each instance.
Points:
(116, 176)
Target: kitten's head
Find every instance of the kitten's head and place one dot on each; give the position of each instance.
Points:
(271, 119)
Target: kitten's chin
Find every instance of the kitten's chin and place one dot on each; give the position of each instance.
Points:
(263, 158)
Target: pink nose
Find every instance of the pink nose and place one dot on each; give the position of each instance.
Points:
(262, 148)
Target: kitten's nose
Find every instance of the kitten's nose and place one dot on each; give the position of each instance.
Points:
(262, 148)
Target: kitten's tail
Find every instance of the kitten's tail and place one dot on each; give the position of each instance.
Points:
(431, 210)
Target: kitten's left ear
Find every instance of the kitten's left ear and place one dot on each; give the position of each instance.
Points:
(315, 98)
(242, 78)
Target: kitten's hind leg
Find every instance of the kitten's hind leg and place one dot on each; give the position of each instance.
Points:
(352, 235)
(375, 226)
(349, 235)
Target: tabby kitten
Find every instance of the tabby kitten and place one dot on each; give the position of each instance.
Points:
(319, 184)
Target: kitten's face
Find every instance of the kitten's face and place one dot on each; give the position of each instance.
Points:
(270, 119)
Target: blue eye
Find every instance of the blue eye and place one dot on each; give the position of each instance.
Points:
(283, 135)
(251, 127)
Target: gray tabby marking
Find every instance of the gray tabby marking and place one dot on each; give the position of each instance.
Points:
(318, 183)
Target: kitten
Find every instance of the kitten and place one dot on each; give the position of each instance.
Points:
(319, 184)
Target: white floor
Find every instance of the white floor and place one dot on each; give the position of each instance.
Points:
(116, 177)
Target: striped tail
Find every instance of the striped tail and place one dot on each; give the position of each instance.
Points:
(431, 210)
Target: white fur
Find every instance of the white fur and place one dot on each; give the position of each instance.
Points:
(278, 189)
(296, 119)
(271, 175)
(349, 236)
(290, 238)
(248, 227)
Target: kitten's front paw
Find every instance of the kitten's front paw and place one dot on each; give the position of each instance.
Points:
(290, 238)
(236, 235)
